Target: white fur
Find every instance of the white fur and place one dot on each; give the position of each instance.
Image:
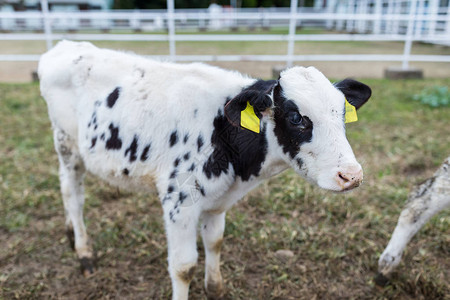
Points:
(157, 98)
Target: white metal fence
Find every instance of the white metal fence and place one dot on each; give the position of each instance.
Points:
(376, 20)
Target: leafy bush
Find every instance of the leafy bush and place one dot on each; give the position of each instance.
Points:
(435, 96)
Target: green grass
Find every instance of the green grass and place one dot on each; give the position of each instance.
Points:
(336, 238)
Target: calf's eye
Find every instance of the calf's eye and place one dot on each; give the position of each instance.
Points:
(295, 118)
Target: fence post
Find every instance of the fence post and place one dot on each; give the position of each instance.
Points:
(292, 28)
(409, 35)
(171, 25)
(47, 24)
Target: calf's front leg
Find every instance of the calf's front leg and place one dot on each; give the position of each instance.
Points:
(430, 198)
(212, 229)
(181, 228)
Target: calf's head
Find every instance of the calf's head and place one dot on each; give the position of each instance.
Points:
(305, 124)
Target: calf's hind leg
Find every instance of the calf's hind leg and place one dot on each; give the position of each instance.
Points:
(71, 176)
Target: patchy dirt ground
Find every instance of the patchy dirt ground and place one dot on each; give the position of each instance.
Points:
(335, 239)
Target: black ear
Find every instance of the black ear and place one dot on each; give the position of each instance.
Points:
(357, 93)
(258, 98)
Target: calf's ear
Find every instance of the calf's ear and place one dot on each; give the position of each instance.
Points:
(260, 101)
(355, 92)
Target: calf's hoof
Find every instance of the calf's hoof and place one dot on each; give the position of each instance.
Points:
(214, 290)
(87, 266)
(381, 280)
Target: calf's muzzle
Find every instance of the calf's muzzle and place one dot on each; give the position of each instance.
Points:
(349, 177)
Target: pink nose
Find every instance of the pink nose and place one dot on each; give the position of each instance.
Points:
(350, 178)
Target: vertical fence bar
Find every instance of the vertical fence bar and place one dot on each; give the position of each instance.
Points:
(397, 11)
(378, 12)
(171, 27)
(447, 27)
(350, 9)
(433, 11)
(419, 25)
(47, 24)
(362, 10)
(292, 27)
(409, 34)
(330, 4)
(389, 24)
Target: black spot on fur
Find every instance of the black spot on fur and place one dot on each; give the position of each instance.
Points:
(76, 61)
(290, 136)
(141, 71)
(245, 150)
(125, 172)
(199, 143)
(114, 142)
(173, 138)
(144, 154)
(424, 187)
(171, 215)
(192, 167)
(93, 142)
(176, 162)
(93, 121)
(132, 149)
(170, 189)
(112, 98)
(200, 188)
(182, 197)
(299, 162)
(102, 137)
(186, 156)
(173, 174)
(195, 113)
(185, 139)
(256, 94)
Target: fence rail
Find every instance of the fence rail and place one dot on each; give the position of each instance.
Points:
(408, 26)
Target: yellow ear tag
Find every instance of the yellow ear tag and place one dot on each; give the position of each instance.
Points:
(249, 119)
(350, 113)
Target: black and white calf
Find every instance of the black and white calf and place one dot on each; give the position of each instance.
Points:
(425, 201)
(143, 124)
